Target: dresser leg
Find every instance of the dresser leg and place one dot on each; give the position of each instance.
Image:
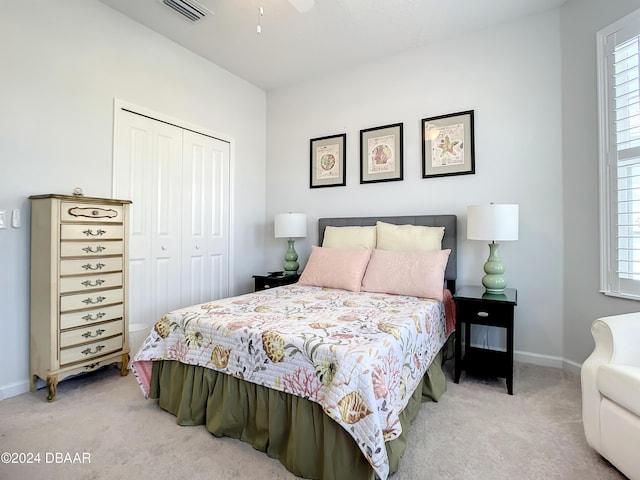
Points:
(124, 371)
(33, 383)
(52, 387)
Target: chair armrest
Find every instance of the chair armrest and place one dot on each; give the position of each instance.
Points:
(616, 339)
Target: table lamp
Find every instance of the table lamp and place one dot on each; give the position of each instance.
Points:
(494, 223)
(290, 225)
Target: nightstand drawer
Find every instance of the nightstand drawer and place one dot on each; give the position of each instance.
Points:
(485, 313)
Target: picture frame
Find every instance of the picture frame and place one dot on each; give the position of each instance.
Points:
(448, 145)
(381, 157)
(328, 161)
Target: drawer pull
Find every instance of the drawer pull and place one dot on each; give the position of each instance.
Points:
(90, 318)
(91, 366)
(88, 266)
(90, 249)
(97, 283)
(89, 232)
(483, 314)
(89, 301)
(92, 212)
(88, 334)
(88, 351)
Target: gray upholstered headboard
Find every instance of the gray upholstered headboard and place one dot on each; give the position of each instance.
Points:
(449, 222)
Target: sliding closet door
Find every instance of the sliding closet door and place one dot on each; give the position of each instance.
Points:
(178, 182)
(205, 223)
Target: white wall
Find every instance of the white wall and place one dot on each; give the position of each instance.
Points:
(581, 19)
(62, 64)
(510, 76)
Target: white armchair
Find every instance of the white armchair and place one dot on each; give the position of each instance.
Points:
(611, 392)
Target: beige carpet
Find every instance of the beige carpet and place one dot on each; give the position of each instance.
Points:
(476, 431)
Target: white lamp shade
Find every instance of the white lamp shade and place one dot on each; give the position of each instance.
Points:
(290, 225)
(493, 222)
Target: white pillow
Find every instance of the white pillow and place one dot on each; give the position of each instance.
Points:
(349, 237)
(408, 237)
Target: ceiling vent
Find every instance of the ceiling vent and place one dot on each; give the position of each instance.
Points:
(190, 9)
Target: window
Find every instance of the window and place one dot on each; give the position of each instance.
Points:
(619, 125)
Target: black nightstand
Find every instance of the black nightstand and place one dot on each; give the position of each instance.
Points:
(474, 306)
(262, 282)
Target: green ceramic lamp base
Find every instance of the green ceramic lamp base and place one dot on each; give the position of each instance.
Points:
(494, 280)
(291, 264)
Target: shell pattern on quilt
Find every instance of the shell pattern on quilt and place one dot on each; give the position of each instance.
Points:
(359, 355)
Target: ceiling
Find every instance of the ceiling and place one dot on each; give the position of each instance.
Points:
(331, 36)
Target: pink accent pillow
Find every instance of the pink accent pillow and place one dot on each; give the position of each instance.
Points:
(336, 268)
(415, 273)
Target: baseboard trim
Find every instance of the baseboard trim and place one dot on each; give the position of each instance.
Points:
(537, 359)
(18, 388)
(14, 389)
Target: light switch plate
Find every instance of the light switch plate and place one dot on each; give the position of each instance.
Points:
(15, 218)
(3, 219)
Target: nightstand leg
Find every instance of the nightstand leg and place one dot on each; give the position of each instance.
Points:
(458, 348)
(510, 357)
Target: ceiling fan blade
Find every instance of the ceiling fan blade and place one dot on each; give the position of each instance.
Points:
(302, 5)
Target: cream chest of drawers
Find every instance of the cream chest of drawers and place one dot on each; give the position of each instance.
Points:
(78, 286)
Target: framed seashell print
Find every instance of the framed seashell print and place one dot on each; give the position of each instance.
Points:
(447, 145)
(328, 160)
(381, 154)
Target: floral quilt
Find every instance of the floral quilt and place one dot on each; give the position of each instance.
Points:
(359, 355)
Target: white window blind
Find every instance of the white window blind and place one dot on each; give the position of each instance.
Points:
(619, 92)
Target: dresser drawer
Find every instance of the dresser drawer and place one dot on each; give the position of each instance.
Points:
(89, 333)
(89, 282)
(90, 265)
(88, 317)
(91, 232)
(90, 350)
(90, 299)
(91, 249)
(84, 212)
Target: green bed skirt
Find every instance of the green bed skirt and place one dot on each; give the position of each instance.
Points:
(292, 429)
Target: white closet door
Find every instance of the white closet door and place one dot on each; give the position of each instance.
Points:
(205, 226)
(148, 170)
(178, 182)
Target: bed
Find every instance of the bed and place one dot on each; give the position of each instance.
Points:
(327, 374)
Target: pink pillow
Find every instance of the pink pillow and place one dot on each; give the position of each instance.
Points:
(336, 268)
(415, 273)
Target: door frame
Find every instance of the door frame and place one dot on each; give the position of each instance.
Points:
(120, 105)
